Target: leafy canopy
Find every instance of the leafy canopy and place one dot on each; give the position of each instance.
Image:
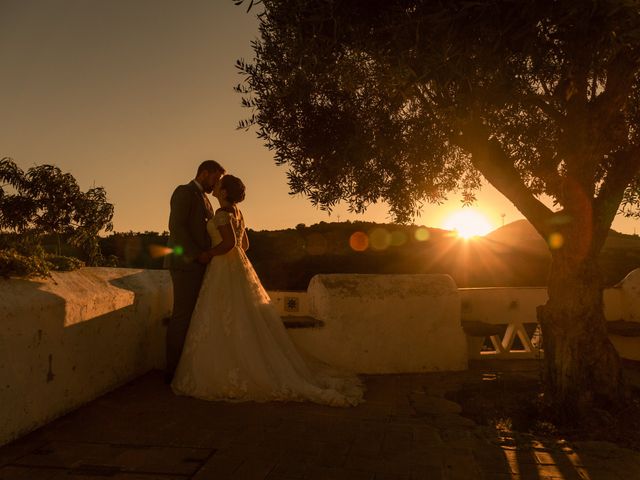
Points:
(406, 100)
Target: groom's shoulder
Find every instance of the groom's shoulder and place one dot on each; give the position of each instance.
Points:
(183, 193)
(187, 187)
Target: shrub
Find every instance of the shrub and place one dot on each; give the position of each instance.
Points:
(15, 264)
(25, 258)
(64, 264)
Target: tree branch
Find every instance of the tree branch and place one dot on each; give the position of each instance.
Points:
(621, 72)
(499, 170)
(625, 165)
(538, 101)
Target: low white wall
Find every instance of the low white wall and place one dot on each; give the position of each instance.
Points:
(623, 303)
(68, 339)
(385, 323)
(293, 304)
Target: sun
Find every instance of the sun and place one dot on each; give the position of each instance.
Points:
(468, 223)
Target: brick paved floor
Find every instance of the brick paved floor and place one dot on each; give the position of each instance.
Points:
(406, 430)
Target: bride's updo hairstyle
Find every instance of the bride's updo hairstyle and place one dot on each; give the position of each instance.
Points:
(234, 188)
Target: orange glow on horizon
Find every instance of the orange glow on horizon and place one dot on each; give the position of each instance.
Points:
(468, 223)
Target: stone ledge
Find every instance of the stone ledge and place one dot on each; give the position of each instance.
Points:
(289, 321)
(475, 328)
(301, 321)
(624, 328)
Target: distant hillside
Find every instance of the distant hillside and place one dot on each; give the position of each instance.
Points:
(287, 259)
(521, 235)
(513, 255)
(518, 235)
(620, 254)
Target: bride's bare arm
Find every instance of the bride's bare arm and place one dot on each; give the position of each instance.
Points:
(227, 243)
(245, 241)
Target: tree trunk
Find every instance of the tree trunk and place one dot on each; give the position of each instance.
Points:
(582, 368)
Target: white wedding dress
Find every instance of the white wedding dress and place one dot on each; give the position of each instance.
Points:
(237, 348)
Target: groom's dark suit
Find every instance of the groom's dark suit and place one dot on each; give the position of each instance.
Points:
(188, 238)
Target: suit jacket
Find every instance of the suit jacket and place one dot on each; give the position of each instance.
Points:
(188, 235)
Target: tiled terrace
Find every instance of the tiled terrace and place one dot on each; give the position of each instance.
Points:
(407, 429)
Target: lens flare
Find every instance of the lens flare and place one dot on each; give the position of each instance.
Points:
(556, 240)
(422, 234)
(178, 250)
(380, 239)
(157, 251)
(398, 238)
(359, 241)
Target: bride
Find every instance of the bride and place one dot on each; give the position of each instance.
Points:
(237, 348)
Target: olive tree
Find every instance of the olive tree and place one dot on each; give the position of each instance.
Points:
(407, 100)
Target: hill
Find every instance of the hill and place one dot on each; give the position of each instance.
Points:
(620, 253)
(513, 255)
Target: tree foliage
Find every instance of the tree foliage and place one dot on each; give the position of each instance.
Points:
(45, 201)
(390, 99)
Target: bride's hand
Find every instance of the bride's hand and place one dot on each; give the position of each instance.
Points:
(204, 258)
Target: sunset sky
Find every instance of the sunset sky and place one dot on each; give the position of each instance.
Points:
(132, 95)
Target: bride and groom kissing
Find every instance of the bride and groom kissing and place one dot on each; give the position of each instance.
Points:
(225, 339)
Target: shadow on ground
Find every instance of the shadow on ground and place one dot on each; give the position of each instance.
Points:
(507, 396)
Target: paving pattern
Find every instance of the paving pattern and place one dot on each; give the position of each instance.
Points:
(406, 430)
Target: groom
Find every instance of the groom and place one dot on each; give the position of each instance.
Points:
(188, 239)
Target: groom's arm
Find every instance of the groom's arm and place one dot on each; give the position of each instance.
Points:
(179, 223)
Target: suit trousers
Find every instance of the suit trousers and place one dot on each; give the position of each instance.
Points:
(186, 287)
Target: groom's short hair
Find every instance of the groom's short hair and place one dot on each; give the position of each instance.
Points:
(210, 166)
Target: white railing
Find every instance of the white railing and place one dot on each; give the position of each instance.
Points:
(501, 322)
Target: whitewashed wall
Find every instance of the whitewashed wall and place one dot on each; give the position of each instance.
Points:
(68, 339)
(385, 323)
